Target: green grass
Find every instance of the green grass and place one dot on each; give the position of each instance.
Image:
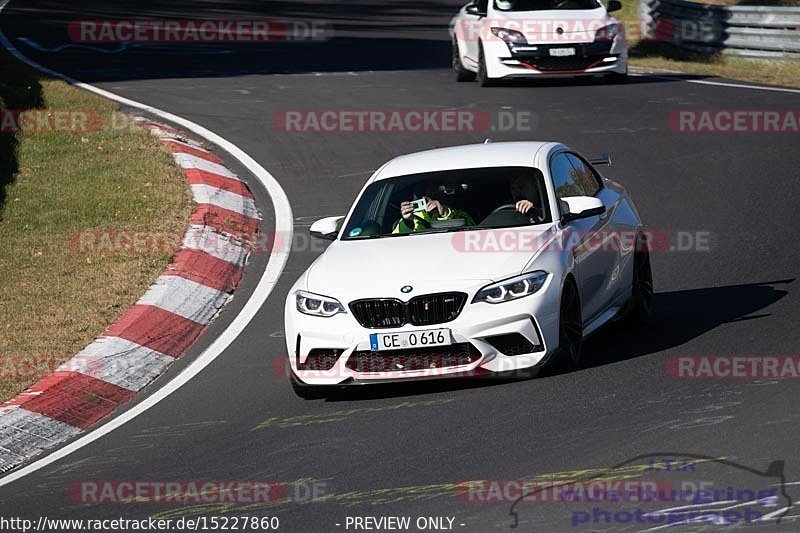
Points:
(662, 56)
(54, 300)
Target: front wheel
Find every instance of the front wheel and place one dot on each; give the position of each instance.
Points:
(570, 328)
(483, 77)
(462, 74)
(641, 302)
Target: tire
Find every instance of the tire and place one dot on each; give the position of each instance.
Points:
(462, 74)
(305, 391)
(640, 308)
(483, 77)
(570, 328)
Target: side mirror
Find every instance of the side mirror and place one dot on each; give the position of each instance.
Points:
(473, 9)
(581, 207)
(604, 159)
(326, 228)
(614, 5)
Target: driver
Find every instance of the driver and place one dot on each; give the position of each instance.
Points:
(411, 222)
(523, 189)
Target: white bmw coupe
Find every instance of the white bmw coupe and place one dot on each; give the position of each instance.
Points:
(479, 259)
(504, 39)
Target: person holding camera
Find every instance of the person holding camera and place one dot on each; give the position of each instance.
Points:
(417, 215)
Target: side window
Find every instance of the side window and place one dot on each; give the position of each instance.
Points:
(585, 176)
(483, 5)
(564, 177)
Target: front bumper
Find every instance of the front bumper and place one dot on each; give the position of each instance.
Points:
(475, 335)
(535, 60)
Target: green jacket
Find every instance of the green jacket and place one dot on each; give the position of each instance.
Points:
(423, 219)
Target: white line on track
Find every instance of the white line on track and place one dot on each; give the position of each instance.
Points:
(716, 83)
(273, 271)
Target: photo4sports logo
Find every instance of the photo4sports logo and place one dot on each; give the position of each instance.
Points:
(691, 490)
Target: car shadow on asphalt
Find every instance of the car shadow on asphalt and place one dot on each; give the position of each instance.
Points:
(679, 317)
(585, 81)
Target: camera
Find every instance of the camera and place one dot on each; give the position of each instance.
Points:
(419, 205)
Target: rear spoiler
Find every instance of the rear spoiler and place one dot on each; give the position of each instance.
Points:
(604, 159)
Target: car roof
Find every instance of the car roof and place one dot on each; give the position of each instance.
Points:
(493, 154)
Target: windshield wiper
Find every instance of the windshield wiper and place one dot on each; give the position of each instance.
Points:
(470, 228)
(429, 232)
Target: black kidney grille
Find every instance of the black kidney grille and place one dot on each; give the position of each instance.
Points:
(435, 308)
(379, 313)
(419, 311)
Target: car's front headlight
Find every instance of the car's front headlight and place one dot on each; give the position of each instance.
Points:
(511, 289)
(510, 36)
(316, 305)
(607, 33)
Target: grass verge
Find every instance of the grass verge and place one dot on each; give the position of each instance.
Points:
(54, 298)
(662, 56)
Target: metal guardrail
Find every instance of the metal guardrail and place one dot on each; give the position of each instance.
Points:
(753, 31)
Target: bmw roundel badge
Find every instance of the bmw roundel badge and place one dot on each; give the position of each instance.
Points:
(407, 289)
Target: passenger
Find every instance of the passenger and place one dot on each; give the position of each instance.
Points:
(411, 222)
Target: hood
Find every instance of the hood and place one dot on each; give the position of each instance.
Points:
(460, 261)
(577, 25)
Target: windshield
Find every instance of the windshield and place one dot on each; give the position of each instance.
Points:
(452, 200)
(542, 5)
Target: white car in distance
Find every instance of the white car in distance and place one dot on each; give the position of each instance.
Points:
(478, 259)
(494, 40)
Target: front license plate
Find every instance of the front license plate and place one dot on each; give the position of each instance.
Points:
(409, 339)
(562, 52)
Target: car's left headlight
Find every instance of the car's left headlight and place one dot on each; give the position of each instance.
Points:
(607, 33)
(511, 289)
(510, 36)
(317, 305)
